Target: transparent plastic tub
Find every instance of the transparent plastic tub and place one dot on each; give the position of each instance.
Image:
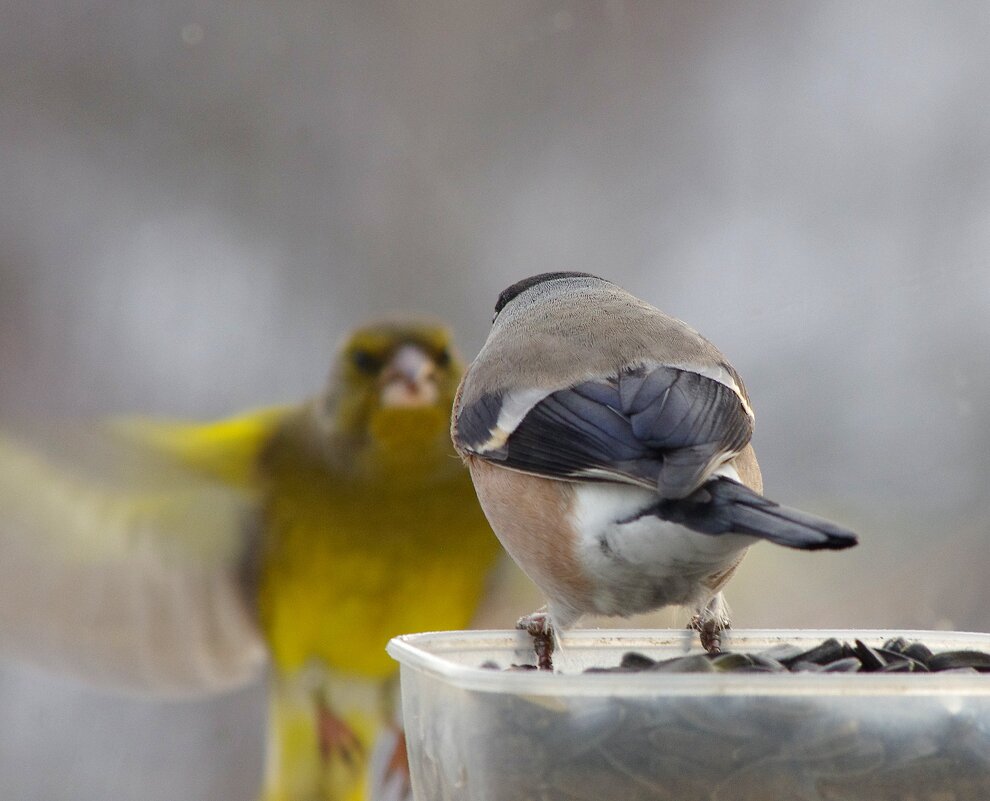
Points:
(484, 734)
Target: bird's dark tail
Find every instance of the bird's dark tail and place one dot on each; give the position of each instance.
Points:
(724, 506)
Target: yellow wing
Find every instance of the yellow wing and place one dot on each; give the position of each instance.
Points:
(226, 449)
(124, 548)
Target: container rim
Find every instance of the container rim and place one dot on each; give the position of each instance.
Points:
(425, 652)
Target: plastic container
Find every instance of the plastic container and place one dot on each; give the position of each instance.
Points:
(485, 734)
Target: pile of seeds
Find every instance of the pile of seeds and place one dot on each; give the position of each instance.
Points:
(894, 656)
(698, 746)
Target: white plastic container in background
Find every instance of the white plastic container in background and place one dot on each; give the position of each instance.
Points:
(483, 734)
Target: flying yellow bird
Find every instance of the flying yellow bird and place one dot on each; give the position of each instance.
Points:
(173, 557)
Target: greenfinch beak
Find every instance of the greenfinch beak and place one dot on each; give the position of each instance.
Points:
(409, 379)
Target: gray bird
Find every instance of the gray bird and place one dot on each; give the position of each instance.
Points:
(609, 445)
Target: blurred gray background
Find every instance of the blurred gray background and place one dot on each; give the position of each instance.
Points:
(197, 200)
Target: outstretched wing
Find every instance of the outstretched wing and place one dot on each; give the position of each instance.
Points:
(122, 567)
(661, 427)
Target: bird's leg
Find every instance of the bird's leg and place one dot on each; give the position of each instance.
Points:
(398, 763)
(537, 625)
(710, 622)
(335, 736)
(710, 633)
(389, 765)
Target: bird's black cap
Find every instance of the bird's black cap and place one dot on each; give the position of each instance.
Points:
(527, 283)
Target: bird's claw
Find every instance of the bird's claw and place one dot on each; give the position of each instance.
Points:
(709, 631)
(537, 625)
(389, 767)
(336, 737)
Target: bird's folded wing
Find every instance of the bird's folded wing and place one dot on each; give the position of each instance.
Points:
(661, 427)
(121, 567)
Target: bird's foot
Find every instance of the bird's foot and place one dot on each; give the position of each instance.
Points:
(398, 763)
(390, 767)
(709, 631)
(537, 625)
(336, 738)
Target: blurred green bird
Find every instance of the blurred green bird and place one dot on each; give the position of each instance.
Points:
(177, 558)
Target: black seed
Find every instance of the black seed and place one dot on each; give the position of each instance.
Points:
(805, 667)
(868, 658)
(849, 664)
(960, 659)
(636, 661)
(919, 651)
(695, 663)
(897, 645)
(823, 654)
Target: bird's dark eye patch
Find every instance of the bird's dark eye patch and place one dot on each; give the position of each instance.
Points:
(442, 358)
(366, 362)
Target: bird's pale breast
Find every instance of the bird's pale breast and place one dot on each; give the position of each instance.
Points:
(638, 564)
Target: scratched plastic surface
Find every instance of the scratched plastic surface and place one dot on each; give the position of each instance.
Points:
(489, 734)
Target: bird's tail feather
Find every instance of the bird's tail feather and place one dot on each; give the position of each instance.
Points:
(724, 506)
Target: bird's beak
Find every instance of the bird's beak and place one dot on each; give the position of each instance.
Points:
(409, 379)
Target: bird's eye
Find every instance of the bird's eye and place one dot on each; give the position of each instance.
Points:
(366, 362)
(443, 358)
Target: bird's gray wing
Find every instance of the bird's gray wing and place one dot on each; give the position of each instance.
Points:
(121, 569)
(661, 427)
